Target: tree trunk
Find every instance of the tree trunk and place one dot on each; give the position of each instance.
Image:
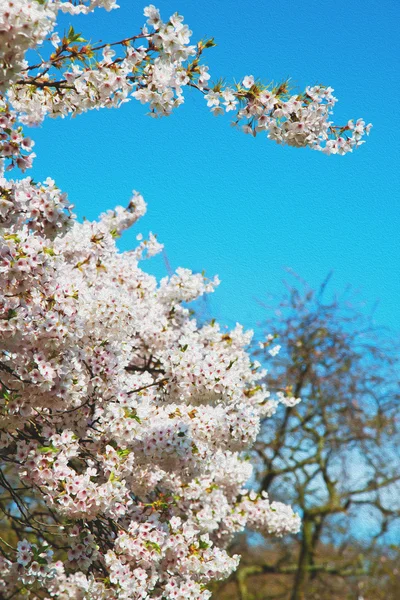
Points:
(301, 577)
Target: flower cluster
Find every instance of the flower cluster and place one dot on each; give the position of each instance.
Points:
(15, 148)
(275, 517)
(35, 563)
(84, 6)
(25, 24)
(154, 67)
(296, 120)
(125, 419)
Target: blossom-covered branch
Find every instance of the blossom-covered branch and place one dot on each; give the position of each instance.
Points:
(155, 67)
(123, 418)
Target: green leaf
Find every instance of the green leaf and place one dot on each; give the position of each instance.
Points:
(47, 449)
(131, 414)
(210, 43)
(124, 452)
(153, 546)
(12, 236)
(71, 33)
(231, 364)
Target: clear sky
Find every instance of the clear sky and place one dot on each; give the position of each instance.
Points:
(246, 208)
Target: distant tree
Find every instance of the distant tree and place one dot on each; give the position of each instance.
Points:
(335, 455)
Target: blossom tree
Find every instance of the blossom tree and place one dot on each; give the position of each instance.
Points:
(124, 425)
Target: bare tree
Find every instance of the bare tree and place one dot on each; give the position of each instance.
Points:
(335, 456)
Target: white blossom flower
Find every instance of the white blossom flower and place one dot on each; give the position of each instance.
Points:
(248, 81)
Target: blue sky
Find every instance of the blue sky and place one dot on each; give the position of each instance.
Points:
(246, 208)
